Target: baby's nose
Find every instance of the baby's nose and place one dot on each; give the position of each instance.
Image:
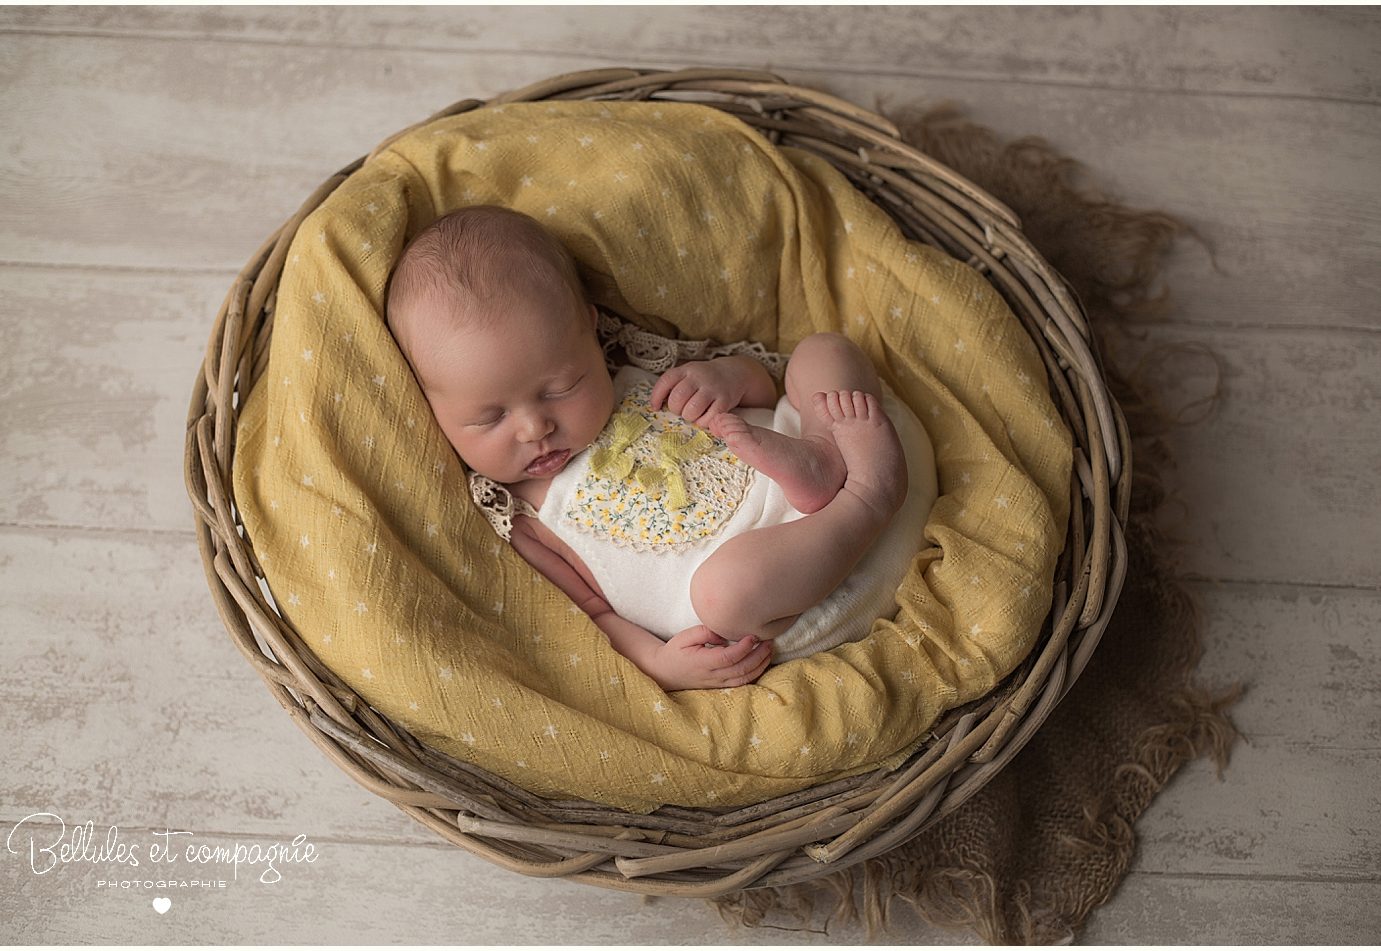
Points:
(536, 425)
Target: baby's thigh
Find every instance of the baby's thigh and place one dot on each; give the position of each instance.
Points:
(746, 588)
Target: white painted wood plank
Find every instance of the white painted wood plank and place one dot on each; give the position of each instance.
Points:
(1302, 793)
(96, 374)
(1265, 481)
(1280, 484)
(125, 694)
(122, 696)
(1284, 190)
(1296, 52)
(1189, 909)
(121, 157)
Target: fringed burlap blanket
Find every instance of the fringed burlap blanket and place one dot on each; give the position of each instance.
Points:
(1049, 839)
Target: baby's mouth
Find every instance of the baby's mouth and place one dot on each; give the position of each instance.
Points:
(548, 464)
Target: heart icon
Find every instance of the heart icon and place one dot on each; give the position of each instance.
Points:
(161, 905)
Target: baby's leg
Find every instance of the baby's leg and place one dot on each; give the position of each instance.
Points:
(758, 582)
(810, 469)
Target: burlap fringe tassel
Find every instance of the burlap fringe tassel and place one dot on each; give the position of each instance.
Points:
(1112, 255)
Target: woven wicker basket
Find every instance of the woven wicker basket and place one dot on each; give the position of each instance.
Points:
(680, 851)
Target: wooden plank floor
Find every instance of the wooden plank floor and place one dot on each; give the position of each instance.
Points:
(147, 152)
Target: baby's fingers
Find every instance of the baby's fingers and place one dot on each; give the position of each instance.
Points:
(751, 667)
(738, 650)
(664, 385)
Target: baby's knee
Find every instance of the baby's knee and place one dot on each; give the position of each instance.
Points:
(828, 360)
(722, 592)
(826, 348)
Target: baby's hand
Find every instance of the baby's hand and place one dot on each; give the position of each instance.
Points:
(700, 391)
(698, 659)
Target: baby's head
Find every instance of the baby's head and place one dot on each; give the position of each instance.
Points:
(488, 309)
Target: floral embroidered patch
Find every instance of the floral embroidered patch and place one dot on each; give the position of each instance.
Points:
(656, 481)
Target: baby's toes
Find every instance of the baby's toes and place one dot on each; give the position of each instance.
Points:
(726, 425)
(865, 406)
(820, 401)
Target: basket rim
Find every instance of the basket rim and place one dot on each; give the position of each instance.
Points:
(680, 850)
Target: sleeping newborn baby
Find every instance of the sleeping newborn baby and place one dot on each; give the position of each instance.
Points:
(655, 528)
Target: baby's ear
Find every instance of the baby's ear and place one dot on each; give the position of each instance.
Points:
(594, 317)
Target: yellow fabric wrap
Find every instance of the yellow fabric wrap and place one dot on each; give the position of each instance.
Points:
(690, 220)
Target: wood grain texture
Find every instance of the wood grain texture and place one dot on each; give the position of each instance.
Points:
(163, 172)
(1302, 794)
(1325, 53)
(1190, 909)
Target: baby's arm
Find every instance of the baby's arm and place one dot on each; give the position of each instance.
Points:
(701, 390)
(696, 658)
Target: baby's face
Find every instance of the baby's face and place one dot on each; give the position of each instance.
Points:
(517, 400)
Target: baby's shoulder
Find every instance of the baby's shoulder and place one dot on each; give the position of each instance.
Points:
(531, 491)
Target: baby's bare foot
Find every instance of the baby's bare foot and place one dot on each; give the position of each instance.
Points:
(872, 453)
(809, 470)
